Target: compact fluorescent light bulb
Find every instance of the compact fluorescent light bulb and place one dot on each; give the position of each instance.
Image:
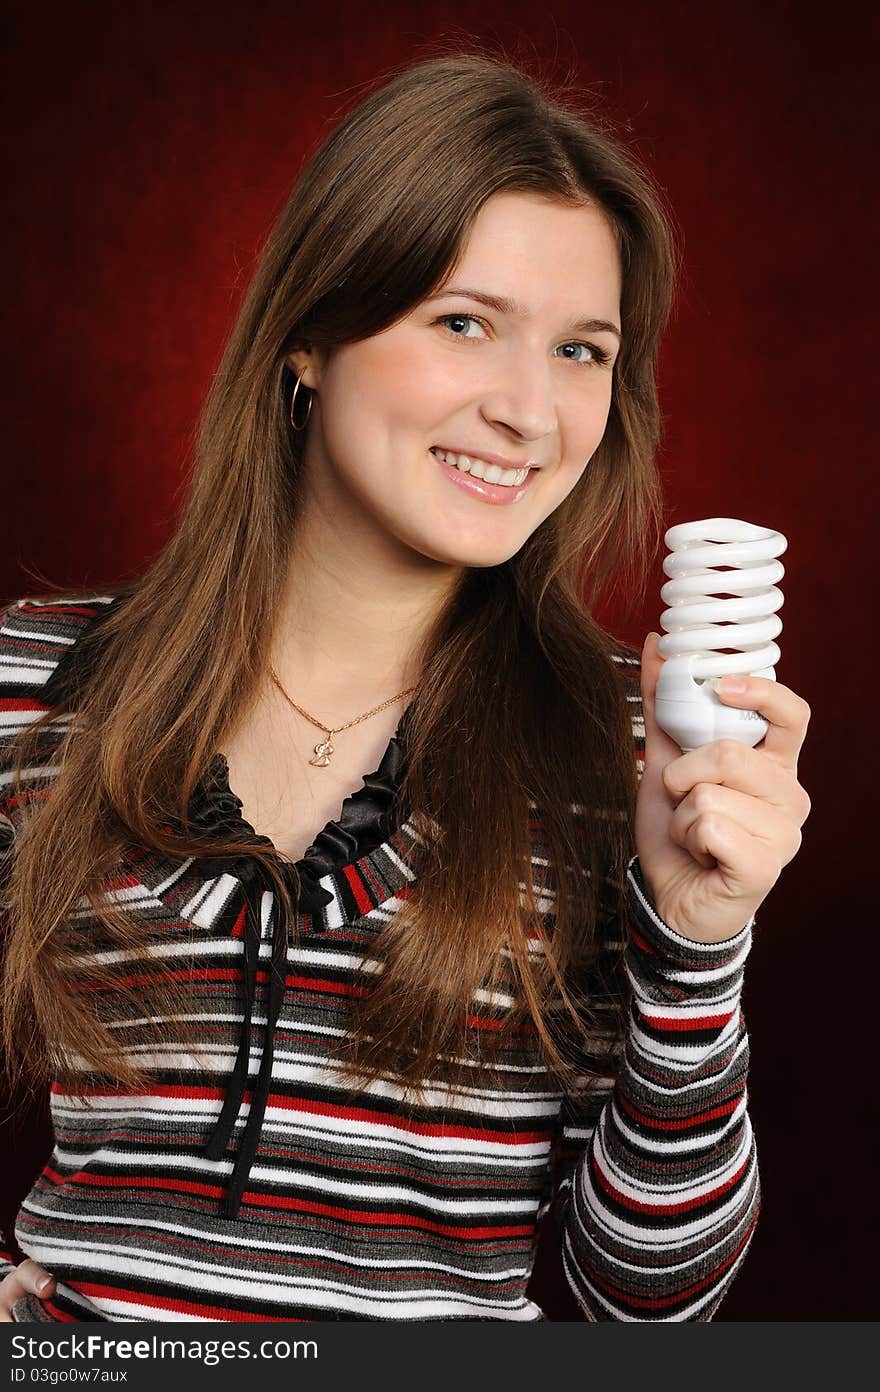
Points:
(698, 623)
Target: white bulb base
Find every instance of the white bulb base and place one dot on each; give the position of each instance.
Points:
(693, 714)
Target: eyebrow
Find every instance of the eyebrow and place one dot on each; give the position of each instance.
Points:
(505, 306)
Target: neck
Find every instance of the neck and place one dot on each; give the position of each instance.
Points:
(356, 606)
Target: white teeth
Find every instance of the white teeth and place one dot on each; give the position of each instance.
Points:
(490, 473)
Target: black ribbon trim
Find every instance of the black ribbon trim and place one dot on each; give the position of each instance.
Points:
(368, 817)
(216, 1146)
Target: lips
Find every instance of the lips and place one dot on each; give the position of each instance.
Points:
(488, 462)
(477, 488)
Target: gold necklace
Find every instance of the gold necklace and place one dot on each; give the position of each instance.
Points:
(324, 749)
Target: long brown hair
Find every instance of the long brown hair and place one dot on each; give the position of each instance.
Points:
(520, 720)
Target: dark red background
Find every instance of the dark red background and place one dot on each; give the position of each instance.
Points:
(150, 148)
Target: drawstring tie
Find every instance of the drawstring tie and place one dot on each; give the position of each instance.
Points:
(312, 896)
(368, 817)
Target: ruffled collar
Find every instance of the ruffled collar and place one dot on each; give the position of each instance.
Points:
(367, 818)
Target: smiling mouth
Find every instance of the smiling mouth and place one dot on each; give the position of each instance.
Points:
(477, 468)
(477, 486)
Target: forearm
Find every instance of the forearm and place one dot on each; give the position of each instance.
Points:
(664, 1199)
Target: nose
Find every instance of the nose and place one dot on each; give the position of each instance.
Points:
(521, 400)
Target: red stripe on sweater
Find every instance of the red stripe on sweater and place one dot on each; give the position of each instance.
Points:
(222, 974)
(62, 608)
(362, 898)
(60, 1315)
(297, 1205)
(238, 925)
(21, 703)
(655, 1124)
(667, 1210)
(672, 1024)
(329, 1109)
(640, 942)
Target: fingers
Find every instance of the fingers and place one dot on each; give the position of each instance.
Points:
(745, 867)
(774, 829)
(786, 713)
(735, 765)
(35, 1278)
(28, 1278)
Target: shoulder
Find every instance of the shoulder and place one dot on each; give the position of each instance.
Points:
(37, 637)
(39, 643)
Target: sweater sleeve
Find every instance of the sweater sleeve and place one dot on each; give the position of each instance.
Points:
(659, 1208)
(34, 638)
(657, 1188)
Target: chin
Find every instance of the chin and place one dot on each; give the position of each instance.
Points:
(476, 556)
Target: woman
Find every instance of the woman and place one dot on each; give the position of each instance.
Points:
(345, 1075)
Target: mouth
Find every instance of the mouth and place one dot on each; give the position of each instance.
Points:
(488, 482)
(479, 468)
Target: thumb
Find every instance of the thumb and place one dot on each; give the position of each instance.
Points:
(651, 664)
(658, 745)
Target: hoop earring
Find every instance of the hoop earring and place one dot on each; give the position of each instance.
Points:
(293, 401)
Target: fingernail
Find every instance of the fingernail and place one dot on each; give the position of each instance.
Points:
(44, 1282)
(652, 634)
(730, 686)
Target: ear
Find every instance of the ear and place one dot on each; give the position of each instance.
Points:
(305, 363)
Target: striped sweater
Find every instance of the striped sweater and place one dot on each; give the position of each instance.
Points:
(375, 1210)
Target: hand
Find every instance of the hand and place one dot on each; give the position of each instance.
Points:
(714, 827)
(24, 1280)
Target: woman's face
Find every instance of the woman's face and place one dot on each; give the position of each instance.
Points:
(528, 382)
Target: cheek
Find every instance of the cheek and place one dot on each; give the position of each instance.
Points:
(582, 430)
(417, 397)
(396, 382)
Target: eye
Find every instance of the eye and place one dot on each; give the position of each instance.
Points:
(598, 356)
(446, 319)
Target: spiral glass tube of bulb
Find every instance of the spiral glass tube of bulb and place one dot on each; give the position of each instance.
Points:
(711, 609)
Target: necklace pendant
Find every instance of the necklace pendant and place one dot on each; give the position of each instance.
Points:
(322, 754)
